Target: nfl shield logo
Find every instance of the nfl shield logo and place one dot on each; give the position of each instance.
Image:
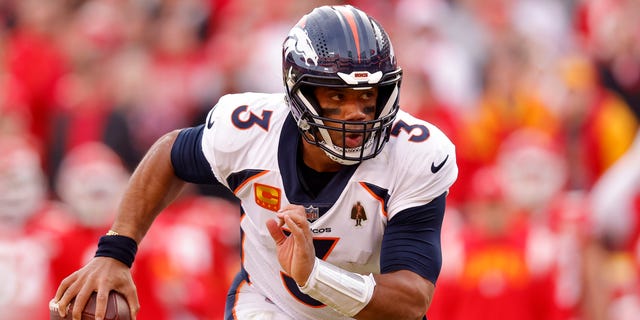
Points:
(312, 212)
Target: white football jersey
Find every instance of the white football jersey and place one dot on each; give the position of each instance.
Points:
(251, 141)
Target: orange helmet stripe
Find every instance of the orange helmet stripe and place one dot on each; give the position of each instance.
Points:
(351, 20)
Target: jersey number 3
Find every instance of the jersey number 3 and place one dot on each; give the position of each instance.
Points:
(261, 121)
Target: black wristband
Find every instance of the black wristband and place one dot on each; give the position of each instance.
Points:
(121, 248)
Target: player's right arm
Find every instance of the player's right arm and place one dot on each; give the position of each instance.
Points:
(152, 187)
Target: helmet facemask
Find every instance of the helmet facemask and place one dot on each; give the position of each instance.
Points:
(316, 128)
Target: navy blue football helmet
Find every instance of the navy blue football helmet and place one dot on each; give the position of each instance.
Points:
(341, 47)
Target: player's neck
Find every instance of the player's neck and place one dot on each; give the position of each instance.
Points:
(317, 160)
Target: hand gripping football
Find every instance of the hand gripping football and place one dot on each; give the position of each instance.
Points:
(117, 308)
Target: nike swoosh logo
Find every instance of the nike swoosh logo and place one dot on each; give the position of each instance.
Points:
(210, 121)
(435, 168)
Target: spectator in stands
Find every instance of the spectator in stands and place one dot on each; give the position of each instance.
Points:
(29, 227)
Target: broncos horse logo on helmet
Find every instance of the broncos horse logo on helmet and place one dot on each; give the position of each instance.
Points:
(299, 42)
(349, 49)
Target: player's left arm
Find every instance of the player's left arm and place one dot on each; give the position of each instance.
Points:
(410, 263)
(411, 255)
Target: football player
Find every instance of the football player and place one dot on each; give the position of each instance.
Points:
(299, 162)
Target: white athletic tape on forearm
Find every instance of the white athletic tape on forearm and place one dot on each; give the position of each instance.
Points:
(344, 291)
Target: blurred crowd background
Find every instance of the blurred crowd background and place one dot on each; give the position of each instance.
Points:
(541, 98)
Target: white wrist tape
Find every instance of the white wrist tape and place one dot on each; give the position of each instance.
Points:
(344, 291)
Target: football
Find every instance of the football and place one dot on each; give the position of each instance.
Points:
(117, 308)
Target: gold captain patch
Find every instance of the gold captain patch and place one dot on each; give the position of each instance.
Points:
(267, 197)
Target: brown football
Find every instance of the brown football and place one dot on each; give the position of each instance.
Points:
(117, 308)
